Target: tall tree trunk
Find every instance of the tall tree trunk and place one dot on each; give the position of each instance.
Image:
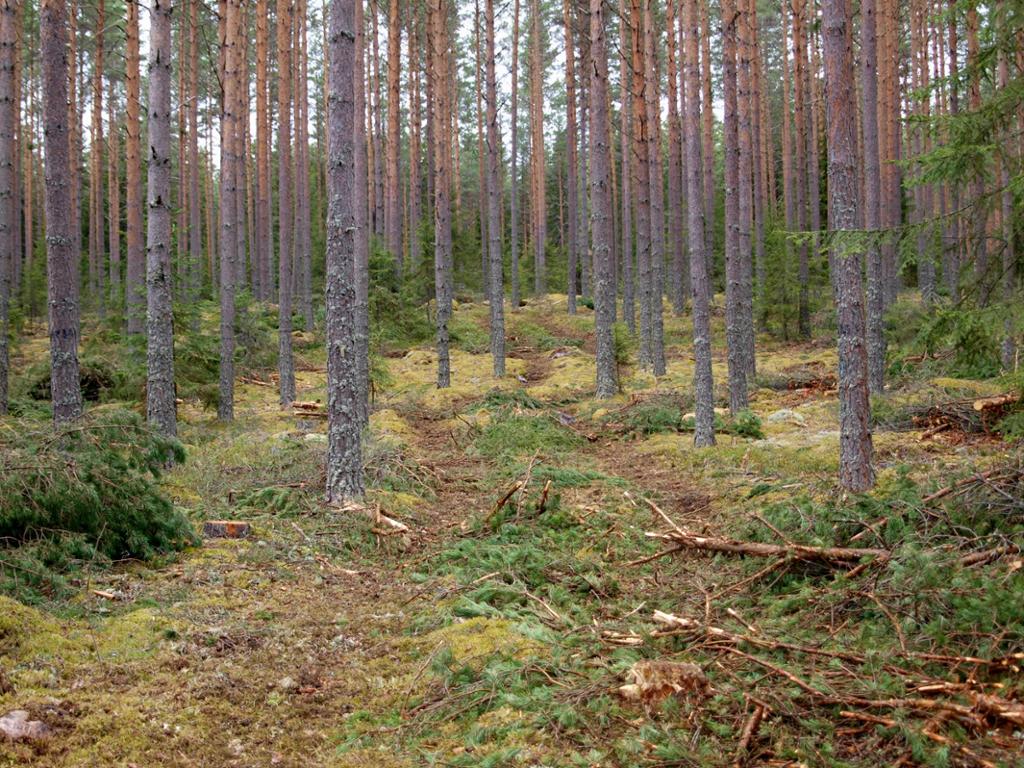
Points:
(241, 153)
(439, 73)
(344, 425)
(652, 102)
(9, 117)
(799, 182)
(788, 192)
(703, 382)
(264, 245)
(97, 272)
(570, 138)
(626, 128)
(181, 225)
(285, 360)
(872, 196)
(303, 223)
(114, 191)
(679, 275)
(1008, 349)
(160, 392)
(392, 196)
(61, 243)
(497, 287)
(481, 158)
(136, 262)
(362, 228)
(707, 138)
(641, 181)
(745, 178)
(733, 214)
(228, 241)
(537, 154)
(376, 137)
(514, 195)
(195, 227)
(855, 471)
(416, 121)
(29, 167)
(602, 232)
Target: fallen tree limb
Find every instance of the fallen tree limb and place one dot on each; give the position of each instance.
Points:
(688, 540)
(386, 525)
(747, 736)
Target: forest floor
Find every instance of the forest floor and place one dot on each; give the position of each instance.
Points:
(499, 630)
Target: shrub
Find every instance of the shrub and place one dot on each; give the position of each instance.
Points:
(86, 491)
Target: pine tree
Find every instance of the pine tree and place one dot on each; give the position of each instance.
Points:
(497, 287)
(285, 214)
(9, 109)
(135, 257)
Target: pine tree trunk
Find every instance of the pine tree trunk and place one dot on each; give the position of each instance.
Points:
(228, 197)
(195, 226)
(264, 244)
(745, 177)
(481, 158)
(570, 138)
(733, 214)
(497, 287)
(602, 232)
(439, 73)
(641, 182)
(392, 198)
(285, 214)
(707, 139)
(9, 117)
(344, 425)
(855, 471)
(114, 192)
(377, 130)
(136, 262)
(362, 228)
(703, 382)
(655, 177)
(537, 153)
(872, 196)
(799, 180)
(181, 225)
(416, 121)
(97, 272)
(788, 193)
(679, 277)
(303, 222)
(627, 257)
(514, 196)
(160, 392)
(61, 243)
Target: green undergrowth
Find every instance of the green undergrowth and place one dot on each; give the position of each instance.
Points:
(83, 495)
(661, 415)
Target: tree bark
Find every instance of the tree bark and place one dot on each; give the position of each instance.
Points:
(416, 121)
(627, 257)
(61, 244)
(641, 180)
(799, 180)
(97, 271)
(228, 198)
(344, 423)
(136, 263)
(703, 383)
(9, 117)
(514, 195)
(497, 287)
(602, 232)
(392, 196)
(745, 177)
(855, 470)
(872, 196)
(195, 226)
(537, 153)
(655, 177)
(680, 277)
(285, 214)
(362, 228)
(570, 138)
(439, 63)
(160, 392)
(114, 191)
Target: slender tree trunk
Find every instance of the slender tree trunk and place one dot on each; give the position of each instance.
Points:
(29, 171)
(872, 196)
(703, 383)
(602, 232)
(362, 228)
(497, 290)
(285, 360)
(745, 177)
(377, 138)
(160, 392)
(228, 241)
(344, 425)
(655, 177)
(303, 222)
(679, 277)
(733, 214)
(1008, 349)
(570, 137)
(788, 195)
(537, 153)
(439, 73)
(136, 262)
(951, 267)
(514, 195)
(481, 158)
(626, 149)
(97, 272)
(707, 139)
(392, 199)
(641, 181)
(855, 471)
(241, 148)
(416, 121)
(760, 150)
(61, 244)
(263, 244)
(9, 117)
(181, 225)
(114, 191)
(799, 183)
(195, 227)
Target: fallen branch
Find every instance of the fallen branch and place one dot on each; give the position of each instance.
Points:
(688, 540)
(390, 524)
(748, 734)
(500, 503)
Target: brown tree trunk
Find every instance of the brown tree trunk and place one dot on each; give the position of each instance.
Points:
(61, 243)
(679, 276)
(416, 121)
(376, 137)
(9, 118)
(135, 271)
(655, 177)
(602, 231)
(114, 192)
(745, 177)
(707, 137)
(230, 53)
(285, 214)
(855, 470)
(570, 138)
(362, 229)
(872, 196)
(439, 73)
(97, 272)
(195, 227)
(537, 153)
(703, 382)
(514, 195)
(263, 246)
(392, 199)
(160, 391)
(627, 256)
(344, 425)
(641, 181)
(497, 288)
(799, 182)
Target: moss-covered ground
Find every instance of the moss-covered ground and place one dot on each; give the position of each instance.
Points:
(499, 630)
